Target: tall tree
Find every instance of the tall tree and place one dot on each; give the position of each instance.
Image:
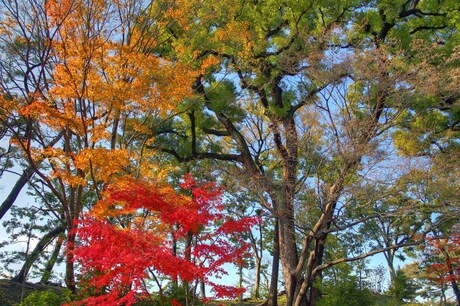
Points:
(97, 74)
(328, 82)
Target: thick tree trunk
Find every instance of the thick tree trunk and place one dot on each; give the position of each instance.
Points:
(456, 291)
(453, 282)
(289, 260)
(315, 294)
(39, 248)
(288, 152)
(288, 249)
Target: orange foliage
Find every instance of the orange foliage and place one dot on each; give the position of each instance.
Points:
(106, 76)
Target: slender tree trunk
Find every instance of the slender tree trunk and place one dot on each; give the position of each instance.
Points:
(273, 299)
(258, 267)
(389, 256)
(188, 257)
(52, 261)
(315, 293)
(202, 289)
(257, 247)
(443, 295)
(70, 268)
(39, 248)
(240, 281)
(175, 282)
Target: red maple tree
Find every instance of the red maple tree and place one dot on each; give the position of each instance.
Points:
(131, 236)
(445, 256)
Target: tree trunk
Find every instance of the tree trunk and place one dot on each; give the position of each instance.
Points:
(42, 244)
(175, 282)
(189, 296)
(456, 290)
(258, 266)
(389, 256)
(453, 282)
(20, 183)
(315, 293)
(51, 262)
(70, 268)
(284, 128)
(240, 281)
(288, 250)
(257, 247)
(202, 289)
(273, 299)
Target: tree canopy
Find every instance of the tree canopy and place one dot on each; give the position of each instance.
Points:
(317, 133)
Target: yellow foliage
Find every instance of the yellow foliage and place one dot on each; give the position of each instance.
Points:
(103, 163)
(53, 117)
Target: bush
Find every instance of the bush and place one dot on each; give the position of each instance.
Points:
(47, 298)
(173, 295)
(345, 294)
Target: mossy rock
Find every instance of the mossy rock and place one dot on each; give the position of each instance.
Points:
(11, 293)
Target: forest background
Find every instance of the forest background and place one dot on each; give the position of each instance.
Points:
(162, 140)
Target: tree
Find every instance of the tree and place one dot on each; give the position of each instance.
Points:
(124, 241)
(26, 226)
(442, 257)
(306, 100)
(402, 288)
(327, 82)
(26, 63)
(242, 203)
(89, 70)
(342, 284)
(400, 217)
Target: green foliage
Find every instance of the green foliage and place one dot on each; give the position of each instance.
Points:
(402, 289)
(340, 285)
(26, 223)
(173, 292)
(345, 293)
(222, 99)
(47, 298)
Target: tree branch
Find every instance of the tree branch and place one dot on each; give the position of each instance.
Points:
(215, 132)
